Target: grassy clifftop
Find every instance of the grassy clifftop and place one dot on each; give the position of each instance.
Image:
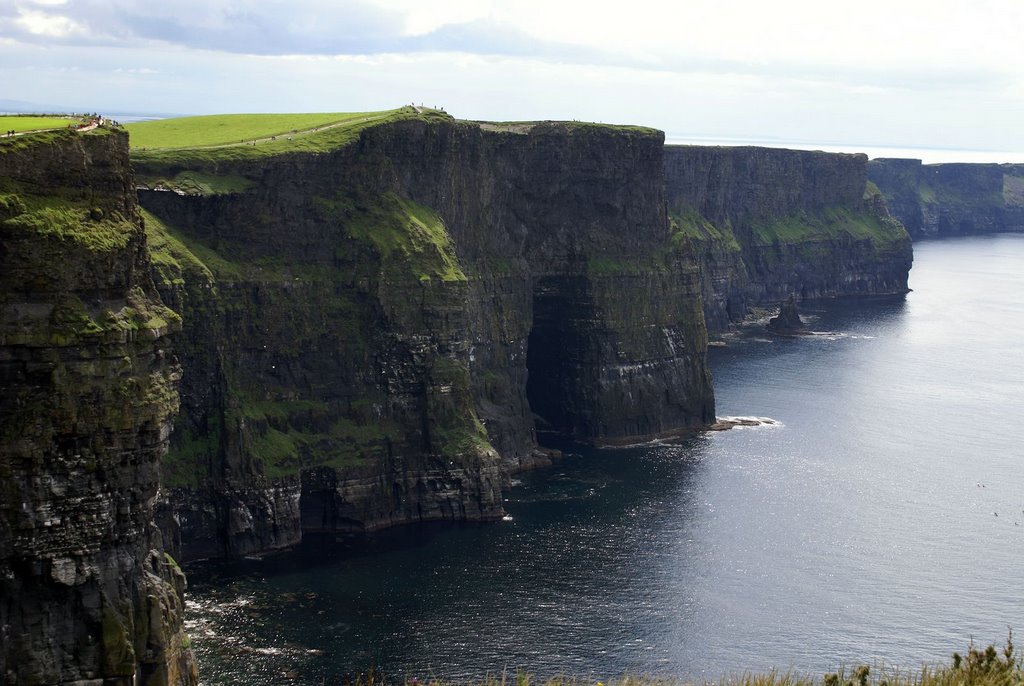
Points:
(199, 141)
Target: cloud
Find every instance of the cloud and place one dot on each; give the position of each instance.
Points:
(269, 27)
(880, 46)
(45, 24)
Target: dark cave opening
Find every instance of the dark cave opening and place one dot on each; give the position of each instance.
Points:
(558, 358)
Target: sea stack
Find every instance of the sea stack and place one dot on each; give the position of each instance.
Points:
(787, 322)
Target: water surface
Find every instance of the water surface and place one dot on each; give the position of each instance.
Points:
(883, 519)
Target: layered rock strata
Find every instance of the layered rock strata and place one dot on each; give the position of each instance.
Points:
(375, 334)
(935, 200)
(88, 393)
(769, 223)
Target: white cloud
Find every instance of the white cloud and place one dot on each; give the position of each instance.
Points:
(897, 73)
(421, 18)
(46, 25)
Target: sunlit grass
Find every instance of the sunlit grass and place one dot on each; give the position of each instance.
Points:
(24, 123)
(231, 129)
(205, 143)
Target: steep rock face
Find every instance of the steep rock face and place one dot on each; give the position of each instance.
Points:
(88, 393)
(607, 310)
(951, 199)
(372, 335)
(769, 223)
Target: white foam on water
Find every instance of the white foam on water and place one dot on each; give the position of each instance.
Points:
(751, 422)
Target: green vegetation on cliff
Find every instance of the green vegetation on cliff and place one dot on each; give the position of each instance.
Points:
(198, 183)
(64, 220)
(71, 321)
(286, 437)
(72, 214)
(689, 224)
(171, 258)
(830, 224)
(385, 244)
(410, 239)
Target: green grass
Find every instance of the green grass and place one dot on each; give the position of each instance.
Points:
(171, 257)
(201, 143)
(283, 440)
(26, 210)
(175, 256)
(230, 129)
(73, 224)
(25, 123)
(688, 223)
(71, 321)
(408, 236)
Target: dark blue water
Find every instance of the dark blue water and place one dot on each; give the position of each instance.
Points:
(882, 520)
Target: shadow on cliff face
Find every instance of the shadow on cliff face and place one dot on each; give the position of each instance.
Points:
(555, 353)
(616, 358)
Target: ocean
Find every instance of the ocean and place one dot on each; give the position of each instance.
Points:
(879, 518)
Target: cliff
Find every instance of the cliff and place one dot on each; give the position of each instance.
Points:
(951, 199)
(769, 223)
(88, 392)
(375, 333)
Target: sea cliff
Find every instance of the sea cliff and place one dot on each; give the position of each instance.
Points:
(934, 200)
(769, 223)
(376, 333)
(382, 325)
(88, 394)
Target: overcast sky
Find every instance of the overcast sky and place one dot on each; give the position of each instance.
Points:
(936, 74)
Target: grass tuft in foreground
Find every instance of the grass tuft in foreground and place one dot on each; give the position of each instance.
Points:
(979, 667)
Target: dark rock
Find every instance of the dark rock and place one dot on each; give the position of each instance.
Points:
(88, 392)
(345, 372)
(765, 223)
(788, 321)
(951, 199)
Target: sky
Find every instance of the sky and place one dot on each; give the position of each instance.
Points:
(873, 74)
